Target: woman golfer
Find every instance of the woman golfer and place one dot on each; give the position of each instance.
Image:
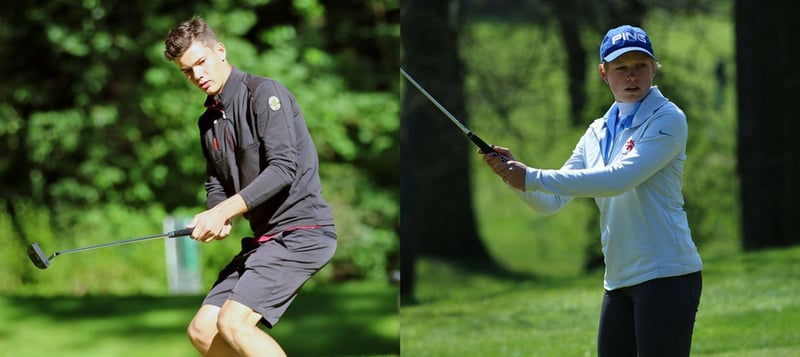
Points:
(631, 162)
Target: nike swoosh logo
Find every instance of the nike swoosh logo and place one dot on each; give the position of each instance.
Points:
(662, 132)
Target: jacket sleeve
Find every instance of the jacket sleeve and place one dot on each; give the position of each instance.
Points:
(215, 192)
(275, 123)
(663, 140)
(548, 203)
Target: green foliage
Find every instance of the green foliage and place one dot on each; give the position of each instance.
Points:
(360, 234)
(133, 269)
(103, 126)
(711, 186)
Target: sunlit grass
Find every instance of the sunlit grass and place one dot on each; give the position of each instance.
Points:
(349, 319)
(749, 307)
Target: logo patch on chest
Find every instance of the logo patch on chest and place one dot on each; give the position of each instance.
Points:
(629, 145)
(274, 103)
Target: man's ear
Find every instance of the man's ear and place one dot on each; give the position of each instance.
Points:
(221, 51)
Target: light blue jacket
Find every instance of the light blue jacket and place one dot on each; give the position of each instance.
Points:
(644, 231)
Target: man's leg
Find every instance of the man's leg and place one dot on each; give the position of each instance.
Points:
(239, 325)
(204, 334)
(272, 276)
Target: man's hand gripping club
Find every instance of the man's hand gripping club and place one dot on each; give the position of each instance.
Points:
(215, 223)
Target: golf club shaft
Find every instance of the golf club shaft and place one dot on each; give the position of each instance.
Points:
(178, 233)
(485, 148)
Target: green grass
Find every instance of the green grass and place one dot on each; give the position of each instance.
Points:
(349, 319)
(749, 307)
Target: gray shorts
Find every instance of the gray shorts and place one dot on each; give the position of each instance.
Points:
(266, 277)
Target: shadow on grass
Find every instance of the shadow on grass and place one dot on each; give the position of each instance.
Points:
(326, 321)
(456, 272)
(352, 319)
(493, 277)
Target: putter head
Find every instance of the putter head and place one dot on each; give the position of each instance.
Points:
(37, 256)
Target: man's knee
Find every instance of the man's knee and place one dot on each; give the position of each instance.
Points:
(200, 333)
(203, 327)
(234, 318)
(229, 325)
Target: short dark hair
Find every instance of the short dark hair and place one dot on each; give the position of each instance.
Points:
(181, 37)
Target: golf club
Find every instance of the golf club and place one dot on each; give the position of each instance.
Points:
(42, 261)
(485, 148)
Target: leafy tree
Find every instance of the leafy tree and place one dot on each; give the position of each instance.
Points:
(436, 203)
(96, 116)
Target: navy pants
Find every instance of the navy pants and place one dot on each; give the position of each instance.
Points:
(651, 319)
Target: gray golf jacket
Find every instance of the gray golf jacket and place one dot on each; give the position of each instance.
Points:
(256, 143)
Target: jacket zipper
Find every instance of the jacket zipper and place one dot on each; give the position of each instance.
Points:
(214, 139)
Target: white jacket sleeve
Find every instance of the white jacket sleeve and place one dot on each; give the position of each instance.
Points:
(544, 203)
(662, 141)
(549, 203)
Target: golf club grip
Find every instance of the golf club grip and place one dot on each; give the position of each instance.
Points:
(181, 232)
(485, 148)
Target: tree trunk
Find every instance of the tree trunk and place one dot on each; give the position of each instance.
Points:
(768, 80)
(569, 27)
(435, 192)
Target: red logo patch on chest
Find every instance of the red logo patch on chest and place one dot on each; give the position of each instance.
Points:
(629, 145)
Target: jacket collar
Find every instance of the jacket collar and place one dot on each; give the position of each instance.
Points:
(229, 91)
(650, 104)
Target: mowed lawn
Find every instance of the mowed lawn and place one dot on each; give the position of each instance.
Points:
(750, 307)
(348, 319)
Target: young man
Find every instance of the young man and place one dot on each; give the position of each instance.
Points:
(631, 162)
(262, 164)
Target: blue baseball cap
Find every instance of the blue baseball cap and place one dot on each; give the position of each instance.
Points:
(624, 39)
